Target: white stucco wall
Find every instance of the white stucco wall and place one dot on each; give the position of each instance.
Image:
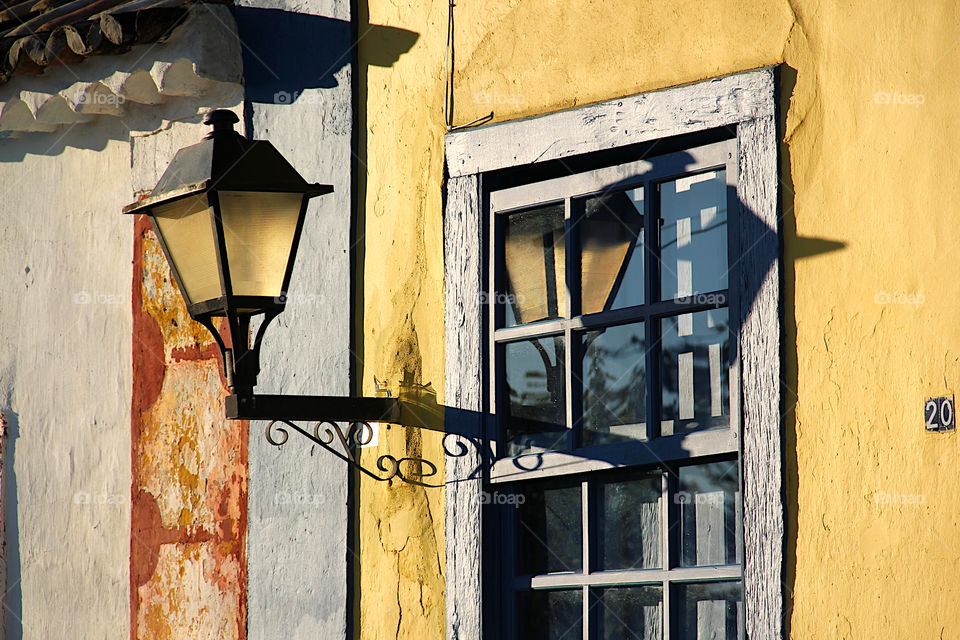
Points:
(297, 526)
(66, 328)
(65, 351)
(65, 367)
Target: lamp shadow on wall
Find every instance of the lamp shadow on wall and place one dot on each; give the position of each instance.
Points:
(790, 248)
(285, 53)
(761, 248)
(281, 60)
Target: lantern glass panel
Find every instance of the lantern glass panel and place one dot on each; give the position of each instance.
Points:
(258, 230)
(187, 233)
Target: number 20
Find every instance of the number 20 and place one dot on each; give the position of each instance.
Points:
(940, 408)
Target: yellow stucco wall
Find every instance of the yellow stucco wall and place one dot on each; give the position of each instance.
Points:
(871, 141)
(400, 532)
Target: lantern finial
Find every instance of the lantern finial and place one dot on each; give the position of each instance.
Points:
(222, 121)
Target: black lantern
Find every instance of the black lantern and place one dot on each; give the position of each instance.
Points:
(228, 212)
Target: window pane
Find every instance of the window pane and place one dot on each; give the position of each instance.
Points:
(535, 255)
(693, 235)
(710, 610)
(614, 385)
(549, 530)
(535, 411)
(628, 534)
(693, 371)
(611, 245)
(550, 615)
(709, 514)
(629, 613)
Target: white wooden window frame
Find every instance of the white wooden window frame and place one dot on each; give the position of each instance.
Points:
(744, 101)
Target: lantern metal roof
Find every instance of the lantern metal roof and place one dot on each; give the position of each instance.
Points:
(227, 161)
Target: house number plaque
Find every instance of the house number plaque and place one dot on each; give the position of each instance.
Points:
(938, 414)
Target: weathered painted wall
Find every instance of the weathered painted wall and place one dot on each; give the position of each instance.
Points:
(189, 516)
(869, 142)
(400, 573)
(188, 567)
(119, 522)
(189, 464)
(65, 382)
(299, 97)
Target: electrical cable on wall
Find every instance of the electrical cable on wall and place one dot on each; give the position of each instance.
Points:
(448, 88)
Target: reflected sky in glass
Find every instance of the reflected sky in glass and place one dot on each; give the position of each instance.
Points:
(549, 530)
(709, 514)
(695, 390)
(629, 613)
(710, 610)
(614, 384)
(693, 235)
(535, 411)
(628, 526)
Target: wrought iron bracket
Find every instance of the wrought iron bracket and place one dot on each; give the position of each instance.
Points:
(417, 407)
(332, 409)
(343, 444)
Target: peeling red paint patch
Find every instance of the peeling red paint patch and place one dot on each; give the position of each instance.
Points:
(189, 490)
(149, 533)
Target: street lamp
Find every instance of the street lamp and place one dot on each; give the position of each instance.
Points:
(228, 213)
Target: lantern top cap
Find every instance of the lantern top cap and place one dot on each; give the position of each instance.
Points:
(222, 121)
(226, 161)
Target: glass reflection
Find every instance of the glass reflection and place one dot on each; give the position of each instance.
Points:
(550, 615)
(614, 385)
(709, 514)
(693, 371)
(710, 610)
(611, 251)
(549, 530)
(693, 235)
(628, 535)
(535, 274)
(629, 613)
(535, 410)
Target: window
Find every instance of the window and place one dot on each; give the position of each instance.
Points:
(622, 383)
(589, 555)
(611, 330)
(596, 329)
